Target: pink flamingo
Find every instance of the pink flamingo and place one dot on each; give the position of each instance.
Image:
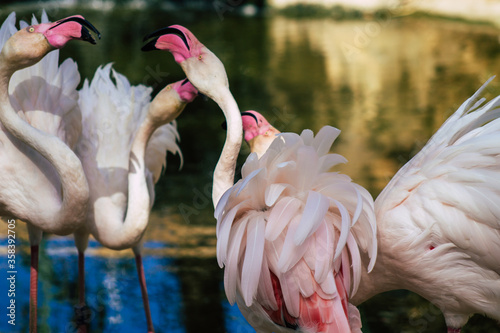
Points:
(289, 233)
(43, 182)
(123, 148)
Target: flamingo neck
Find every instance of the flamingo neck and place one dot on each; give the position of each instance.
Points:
(74, 187)
(379, 280)
(389, 271)
(225, 168)
(118, 233)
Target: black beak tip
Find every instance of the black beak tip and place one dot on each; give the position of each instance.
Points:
(87, 36)
(148, 36)
(151, 46)
(224, 126)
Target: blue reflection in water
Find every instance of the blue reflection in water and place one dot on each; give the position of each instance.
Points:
(234, 320)
(112, 291)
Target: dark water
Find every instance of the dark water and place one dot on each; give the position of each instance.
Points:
(388, 83)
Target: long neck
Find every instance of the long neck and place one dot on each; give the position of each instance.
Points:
(225, 169)
(75, 191)
(388, 272)
(122, 234)
(379, 280)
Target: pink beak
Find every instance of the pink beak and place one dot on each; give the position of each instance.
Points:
(74, 27)
(187, 92)
(176, 39)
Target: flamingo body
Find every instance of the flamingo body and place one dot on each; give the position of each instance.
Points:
(112, 115)
(438, 219)
(288, 235)
(123, 148)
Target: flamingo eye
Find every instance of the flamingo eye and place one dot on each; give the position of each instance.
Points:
(31, 29)
(200, 57)
(169, 87)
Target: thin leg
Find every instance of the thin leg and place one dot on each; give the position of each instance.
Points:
(81, 309)
(144, 291)
(81, 278)
(33, 288)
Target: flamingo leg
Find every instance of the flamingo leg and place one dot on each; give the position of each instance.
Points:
(33, 288)
(144, 291)
(454, 330)
(82, 311)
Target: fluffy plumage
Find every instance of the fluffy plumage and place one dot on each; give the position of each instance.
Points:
(113, 110)
(438, 218)
(108, 133)
(290, 234)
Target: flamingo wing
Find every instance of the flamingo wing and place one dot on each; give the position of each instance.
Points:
(443, 211)
(290, 234)
(113, 110)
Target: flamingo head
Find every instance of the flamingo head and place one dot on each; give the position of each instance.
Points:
(186, 91)
(203, 69)
(29, 45)
(170, 102)
(60, 32)
(258, 132)
(254, 124)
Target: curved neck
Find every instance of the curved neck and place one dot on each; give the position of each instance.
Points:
(121, 234)
(379, 280)
(75, 191)
(225, 168)
(389, 272)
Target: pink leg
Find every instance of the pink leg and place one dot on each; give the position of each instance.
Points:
(33, 288)
(454, 330)
(144, 291)
(81, 313)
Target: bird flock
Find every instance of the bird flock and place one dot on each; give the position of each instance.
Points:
(301, 245)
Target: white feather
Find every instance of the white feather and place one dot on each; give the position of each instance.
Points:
(314, 212)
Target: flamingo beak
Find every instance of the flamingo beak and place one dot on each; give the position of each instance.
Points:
(224, 124)
(86, 28)
(251, 115)
(151, 45)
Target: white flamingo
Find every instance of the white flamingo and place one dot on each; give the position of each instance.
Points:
(123, 148)
(43, 183)
(288, 232)
(439, 219)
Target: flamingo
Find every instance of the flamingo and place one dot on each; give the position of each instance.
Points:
(289, 233)
(437, 219)
(123, 147)
(43, 183)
